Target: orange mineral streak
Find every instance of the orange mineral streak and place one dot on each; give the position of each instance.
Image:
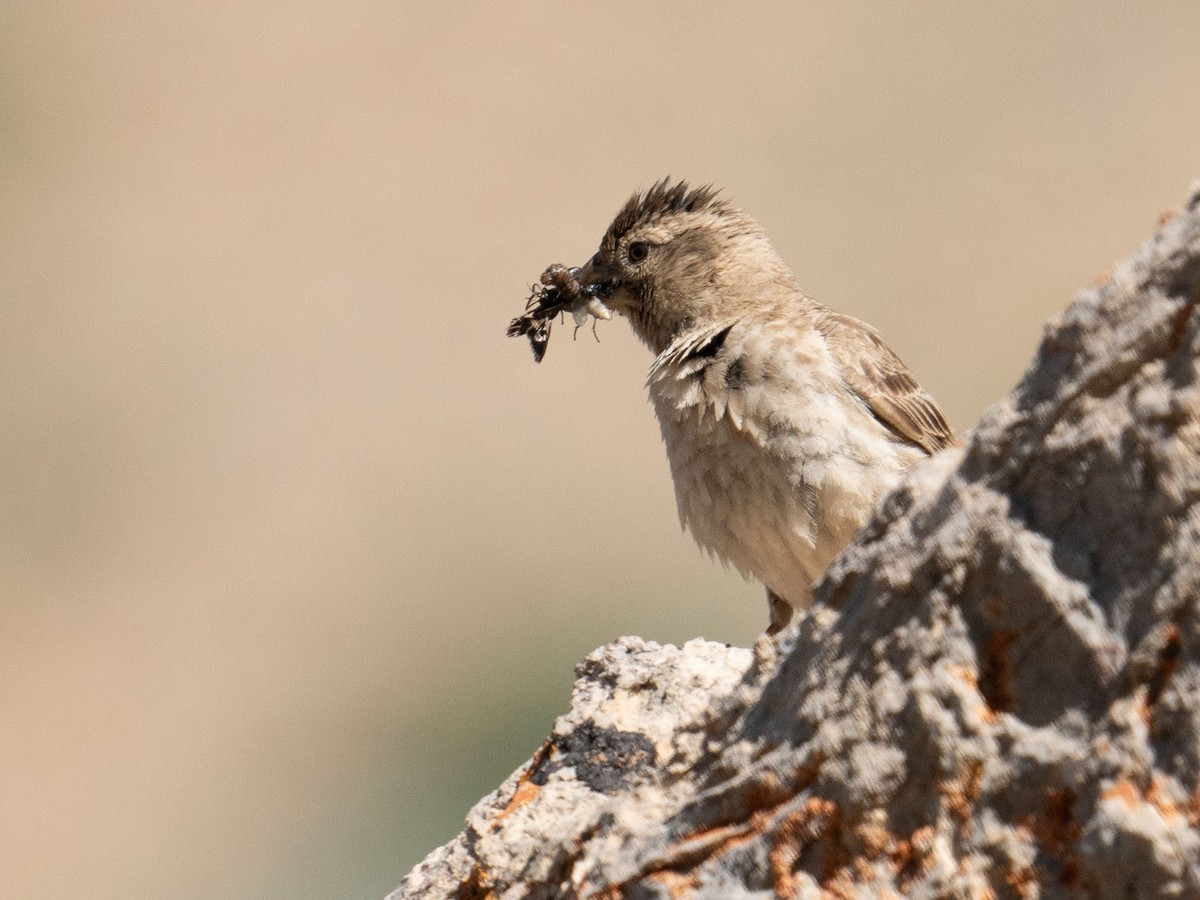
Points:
(526, 790)
(1127, 793)
(476, 886)
(678, 885)
(1056, 831)
(997, 673)
(962, 793)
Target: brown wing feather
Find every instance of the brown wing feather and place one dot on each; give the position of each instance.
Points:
(883, 382)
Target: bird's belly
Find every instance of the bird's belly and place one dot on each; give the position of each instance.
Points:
(778, 507)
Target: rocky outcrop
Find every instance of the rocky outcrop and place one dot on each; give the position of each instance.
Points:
(996, 695)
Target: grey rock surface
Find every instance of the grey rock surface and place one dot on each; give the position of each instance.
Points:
(997, 694)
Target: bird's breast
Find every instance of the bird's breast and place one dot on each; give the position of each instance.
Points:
(775, 466)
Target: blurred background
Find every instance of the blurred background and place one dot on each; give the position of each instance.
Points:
(297, 550)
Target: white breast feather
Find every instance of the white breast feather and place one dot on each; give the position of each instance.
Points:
(777, 466)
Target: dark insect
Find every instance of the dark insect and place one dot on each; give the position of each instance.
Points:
(559, 291)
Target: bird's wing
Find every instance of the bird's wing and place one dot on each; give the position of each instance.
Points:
(877, 376)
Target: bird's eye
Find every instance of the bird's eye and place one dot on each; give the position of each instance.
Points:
(638, 251)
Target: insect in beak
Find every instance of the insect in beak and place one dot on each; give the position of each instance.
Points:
(559, 291)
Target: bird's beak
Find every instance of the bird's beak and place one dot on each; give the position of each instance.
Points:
(596, 278)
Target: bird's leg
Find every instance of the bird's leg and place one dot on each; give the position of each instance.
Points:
(781, 612)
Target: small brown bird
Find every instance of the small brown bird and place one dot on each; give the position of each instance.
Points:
(784, 421)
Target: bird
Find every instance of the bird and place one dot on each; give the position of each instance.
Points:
(784, 421)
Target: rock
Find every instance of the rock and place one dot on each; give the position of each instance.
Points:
(997, 693)
(640, 717)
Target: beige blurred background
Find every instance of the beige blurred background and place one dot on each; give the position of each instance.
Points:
(298, 551)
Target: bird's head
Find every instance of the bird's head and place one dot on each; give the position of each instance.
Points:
(676, 257)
